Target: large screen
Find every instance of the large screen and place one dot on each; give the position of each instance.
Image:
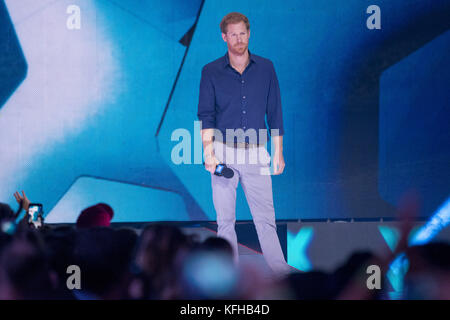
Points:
(96, 97)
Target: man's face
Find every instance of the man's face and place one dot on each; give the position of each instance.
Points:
(237, 38)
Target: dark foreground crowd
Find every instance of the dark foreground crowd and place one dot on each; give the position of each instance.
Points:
(92, 260)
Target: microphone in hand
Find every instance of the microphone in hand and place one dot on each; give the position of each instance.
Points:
(223, 171)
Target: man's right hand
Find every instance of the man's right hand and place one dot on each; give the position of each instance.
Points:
(208, 150)
(211, 162)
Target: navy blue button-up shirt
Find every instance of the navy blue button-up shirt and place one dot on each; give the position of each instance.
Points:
(229, 100)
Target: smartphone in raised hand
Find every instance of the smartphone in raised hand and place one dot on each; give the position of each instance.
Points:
(35, 214)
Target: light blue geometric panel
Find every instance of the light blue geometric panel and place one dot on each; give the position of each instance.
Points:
(92, 99)
(172, 18)
(13, 67)
(130, 203)
(297, 246)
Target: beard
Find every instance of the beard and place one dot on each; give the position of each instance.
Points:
(239, 49)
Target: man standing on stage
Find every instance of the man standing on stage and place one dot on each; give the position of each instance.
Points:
(237, 91)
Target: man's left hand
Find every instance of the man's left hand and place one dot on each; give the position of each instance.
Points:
(278, 163)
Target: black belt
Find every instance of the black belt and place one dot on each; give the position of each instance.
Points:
(243, 145)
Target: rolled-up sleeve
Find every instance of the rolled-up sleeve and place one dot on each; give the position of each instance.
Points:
(206, 104)
(274, 113)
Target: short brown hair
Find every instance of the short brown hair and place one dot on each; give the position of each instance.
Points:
(232, 18)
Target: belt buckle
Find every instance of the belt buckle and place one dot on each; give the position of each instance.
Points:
(239, 145)
(231, 144)
(242, 145)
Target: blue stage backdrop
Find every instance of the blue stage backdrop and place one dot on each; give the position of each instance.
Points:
(92, 91)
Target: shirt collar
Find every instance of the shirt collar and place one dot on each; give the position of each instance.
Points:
(227, 59)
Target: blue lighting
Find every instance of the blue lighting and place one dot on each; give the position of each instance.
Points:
(391, 235)
(436, 223)
(297, 244)
(419, 236)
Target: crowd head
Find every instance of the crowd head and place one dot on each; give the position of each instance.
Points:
(160, 261)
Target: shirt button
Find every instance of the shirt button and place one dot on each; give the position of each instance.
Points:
(243, 111)
(242, 81)
(243, 97)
